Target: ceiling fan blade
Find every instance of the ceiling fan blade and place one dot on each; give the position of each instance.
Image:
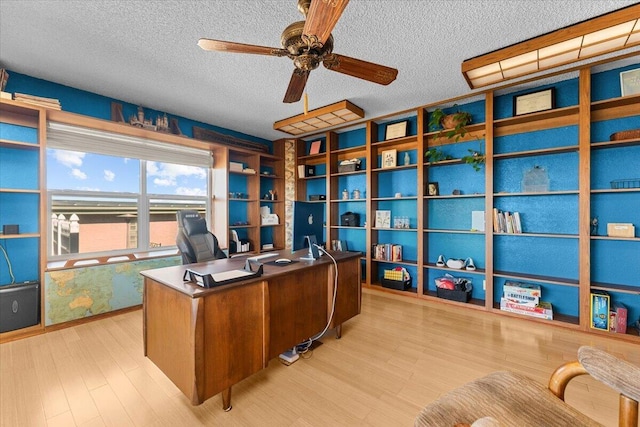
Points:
(222, 46)
(296, 86)
(362, 69)
(321, 18)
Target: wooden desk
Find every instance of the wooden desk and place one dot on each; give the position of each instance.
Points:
(206, 340)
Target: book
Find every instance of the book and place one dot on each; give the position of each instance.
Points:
(621, 317)
(315, 147)
(544, 309)
(396, 253)
(599, 312)
(524, 290)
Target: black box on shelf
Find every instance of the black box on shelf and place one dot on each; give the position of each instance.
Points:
(399, 285)
(453, 295)
(317, 197)
(10, 229)
(19, 306)
(350, 219)
(349, 167)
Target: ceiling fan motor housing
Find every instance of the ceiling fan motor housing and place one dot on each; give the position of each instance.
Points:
(304, 58)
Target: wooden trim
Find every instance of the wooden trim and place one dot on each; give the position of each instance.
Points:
(584, 198)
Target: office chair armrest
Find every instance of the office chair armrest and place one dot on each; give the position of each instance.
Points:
(618, 374)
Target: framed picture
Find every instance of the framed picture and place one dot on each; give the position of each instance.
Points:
(389, 158)
(315, 147)
(433, 189)
(383, 219)
(396, 130)
(533, 102)
(630, 82)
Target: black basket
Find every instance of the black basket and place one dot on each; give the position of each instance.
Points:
(399, 285)
(453, 295)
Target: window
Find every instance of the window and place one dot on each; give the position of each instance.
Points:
(101, 202)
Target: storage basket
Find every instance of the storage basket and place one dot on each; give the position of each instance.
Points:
(400, 285)
(453, 295)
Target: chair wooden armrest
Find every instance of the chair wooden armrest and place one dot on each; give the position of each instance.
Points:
(514, 399)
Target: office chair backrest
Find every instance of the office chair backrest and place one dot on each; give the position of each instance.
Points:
(195, 242)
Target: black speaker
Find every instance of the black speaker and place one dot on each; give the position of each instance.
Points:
(19, 306)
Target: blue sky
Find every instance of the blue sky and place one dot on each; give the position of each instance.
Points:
(70, 170)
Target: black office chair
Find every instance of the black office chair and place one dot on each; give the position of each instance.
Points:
(195, 242)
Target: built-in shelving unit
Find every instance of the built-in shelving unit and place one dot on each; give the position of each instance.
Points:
(22, 197)
(556, 249)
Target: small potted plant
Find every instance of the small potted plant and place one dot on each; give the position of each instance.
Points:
(475, 159)
(436, 155)
(452, 126)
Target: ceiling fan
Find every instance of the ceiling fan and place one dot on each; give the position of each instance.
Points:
(308, 43)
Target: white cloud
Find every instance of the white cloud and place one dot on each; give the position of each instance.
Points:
(78, 174)
(166, 182)
(167, 173)
(109, 175)
(69, 159)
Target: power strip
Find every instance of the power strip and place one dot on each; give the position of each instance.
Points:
(289, 357)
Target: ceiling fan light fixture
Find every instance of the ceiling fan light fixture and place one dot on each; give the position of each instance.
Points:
(320, 118)
(604, 34)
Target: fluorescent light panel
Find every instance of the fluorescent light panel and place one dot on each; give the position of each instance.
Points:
(320, 118)
(601, 35)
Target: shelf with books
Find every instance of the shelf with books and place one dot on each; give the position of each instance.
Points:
(23, 203)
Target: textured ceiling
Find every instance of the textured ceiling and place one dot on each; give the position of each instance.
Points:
(145, 52)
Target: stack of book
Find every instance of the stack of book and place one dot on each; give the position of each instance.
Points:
(506, 222)
(38, 100)
(387, 252)
(524, 298)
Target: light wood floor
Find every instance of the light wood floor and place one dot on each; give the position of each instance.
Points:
(392, 360)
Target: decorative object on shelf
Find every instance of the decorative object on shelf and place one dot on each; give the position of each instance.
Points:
(349, 165)
(594, 226)
(433, 189)
(455, 263)
(407, 158)
(477, 221)
(345, 194)
(273, 195)
(468, 264)
(625, 134)
(396, 130)
(402, 222)
(441, 261)
(618, 229)
(450, 126)
(535, 180)
(456, 192)
(619, 184)
(389, 158)
(435, 155)
(475, 158)
(599, 313)
(383, 219)
(630, 82)
(356, 194)
(315, 147)
(534, 101)
(398, 195)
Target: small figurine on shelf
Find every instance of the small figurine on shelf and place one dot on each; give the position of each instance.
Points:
(594, 226)
(345, 194)
(273, 195)
(356, 194)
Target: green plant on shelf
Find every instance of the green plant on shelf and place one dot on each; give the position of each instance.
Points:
(475, 158)
(436, 155)
(452, 126)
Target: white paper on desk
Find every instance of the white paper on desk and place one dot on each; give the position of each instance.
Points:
(228, 275)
